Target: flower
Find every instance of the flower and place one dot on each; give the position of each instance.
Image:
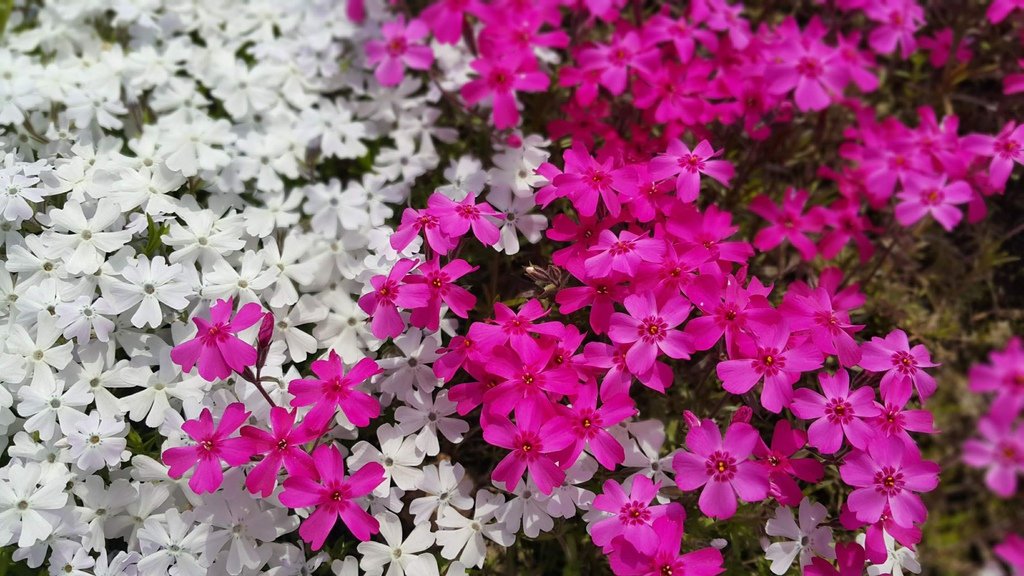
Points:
(650, 329)
(281, 446)
(399, 49)
(936, 197)
(334, 388)
(665, 558)
(722, 467)
(216, 348)
(334, 496)
(806, 540)
(889, 474)
(838, 414)
(772, 359)
(401, 555)
(1000, 449)
(212, 445)
(501, 76)
(687, 167)
(533, 441)
(389, 293)
(631, 517)
(901, 363)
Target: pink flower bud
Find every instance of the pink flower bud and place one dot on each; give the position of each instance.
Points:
(744, 414)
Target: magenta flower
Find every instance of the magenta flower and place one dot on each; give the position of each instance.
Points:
(896, 421)
(1000, 450)
(1011, 550)
(687, 167)
(787, 222)
(901, 363)
(889, 474)
(897, 20)
(445, 18)
(838, 414)
(1005, 148)
(416, 221)
(646, 195)
(772, 359)
(633, 514)
(400, 47)
(585, 180)
(212, 445)
(998, 10)
(708, 229)
(924, 196)
(614, 60)
(597, 294)
(849, 562)
(282, 446)
(651, 329)
(533, 440)
(513, 327)
(501, 76)
(730, 310)
(456, 218)
(215, 348)
(333, 389)
(829, 328)
(1004, 374)
(623, 253)
(627, 560)
(723, 468)
(334, 496)
(389, 293)
(782, 467)
(525, 375)
(813, 69)
(589, 425)
(441, 283)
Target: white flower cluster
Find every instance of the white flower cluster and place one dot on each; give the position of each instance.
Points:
(158, 155)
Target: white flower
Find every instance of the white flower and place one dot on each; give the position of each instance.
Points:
(194, 142)
(419, 351)
(518, 219)
(148, 284)
(401, 555)
(398, 454)
(122, 564)
(570, 496)
(462, 538)
(28, 501)
(71, 562)
(83, 241)
(41, 353)
(83, 317)
(806, 540)
(465, 176)
(527, 509)
(445, 485)
(96, 442)
(900, 560)
(224, 281)
(102, 508)
(177, 545)
(332, 208)
(46, 402)
(425, 417)
(300, 343)
(154, 402)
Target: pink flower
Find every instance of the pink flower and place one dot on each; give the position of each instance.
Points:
(623, 253)
(1000, 449)
(812, 68)
(629, 560)
(585, 180)
(838, 414)
(613, 61)
(651, 330)
(441, 283)
(400, 48)
(1005, 148)
(533, 440)
(333, 389)
(280, 446)
(901, 363)
(941, 45)
(632, 514)
(898, 21)
(416, 221)
(708, 229)
(889, 474)
(998, 10)
(788, 222)
(723, 468)
(389, 293)
(1011, 550)
(456, 218)
(936, 197)
(445, 18)
(1003, 375)
(895, 420)
(525, 375)
(215, 347)
(772, 359)
(850, 562)
(501, 76)
(514, 327)
(334, 496)
(598, 294)
(782, 467)
(687, 167)
(729, 310)
(589, 425)
(212, 445)
(829, 329)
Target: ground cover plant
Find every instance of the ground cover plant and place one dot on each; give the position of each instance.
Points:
(553, 287)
